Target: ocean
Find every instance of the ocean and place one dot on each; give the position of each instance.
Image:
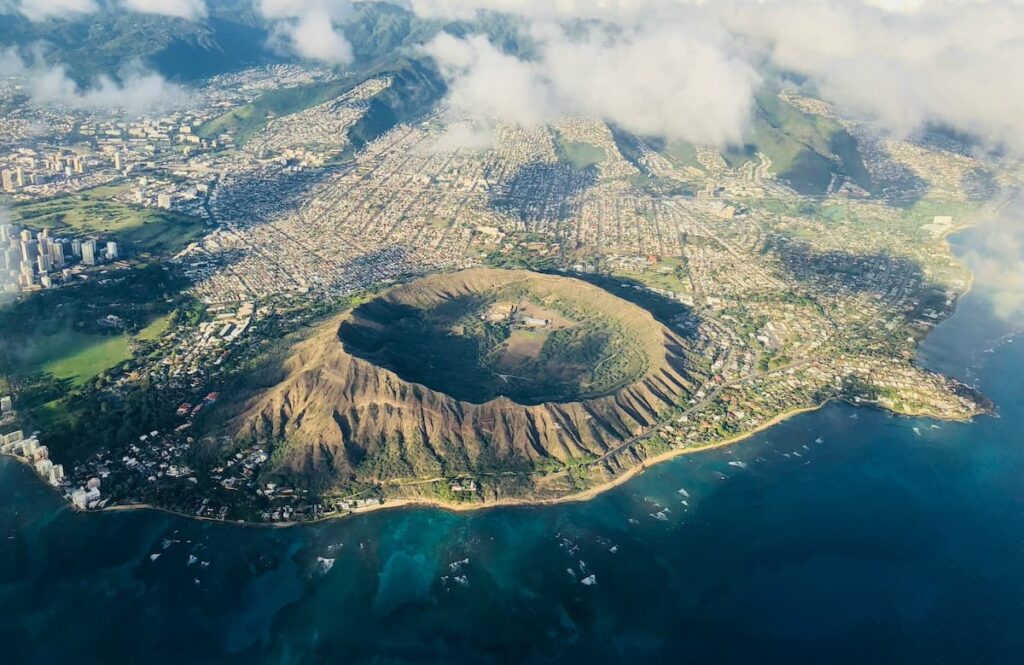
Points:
(842, 535)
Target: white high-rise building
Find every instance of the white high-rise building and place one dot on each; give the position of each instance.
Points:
(57, 252)
(89, 252)
(111, 250)
(29, 250)
(13, 258)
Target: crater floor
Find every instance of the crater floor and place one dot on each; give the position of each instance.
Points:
(488, 333)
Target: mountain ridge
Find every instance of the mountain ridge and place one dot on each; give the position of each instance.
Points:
(336, 417)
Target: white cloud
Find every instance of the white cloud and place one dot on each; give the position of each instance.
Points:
(622, 12)
(485, 83)
(905, 64)
(952, 64)
(39, 10)
(996, 257)
(306, 28)
(136, 89)
(650, 80)
(615, 11)
(314, 38)
(187, 9)
(462, 135)
(676, 82)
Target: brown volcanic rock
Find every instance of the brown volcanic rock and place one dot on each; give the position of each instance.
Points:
(339, 413)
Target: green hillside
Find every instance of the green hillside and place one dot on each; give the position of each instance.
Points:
(246, 120)
(137, 228)
(88, 45)
(415, 89)
(805, 149)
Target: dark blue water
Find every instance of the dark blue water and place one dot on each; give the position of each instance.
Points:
(880, 544)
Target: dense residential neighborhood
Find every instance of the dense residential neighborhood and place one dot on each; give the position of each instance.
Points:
(794, 299)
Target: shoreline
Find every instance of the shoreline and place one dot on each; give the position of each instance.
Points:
(578, 497)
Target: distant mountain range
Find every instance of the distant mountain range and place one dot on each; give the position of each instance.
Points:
(805, 150)
(233, 36)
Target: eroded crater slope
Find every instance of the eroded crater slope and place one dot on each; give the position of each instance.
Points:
(478, 371)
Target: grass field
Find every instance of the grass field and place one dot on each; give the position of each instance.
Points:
(684, 153)
(521, 346)
(580, 155)
(79, 356)
(156, 329)
(74, 355)
(669, 281)
(94, 211)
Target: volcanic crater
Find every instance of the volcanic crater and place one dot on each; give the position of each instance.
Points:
(477, 371)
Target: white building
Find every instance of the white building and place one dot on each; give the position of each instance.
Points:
(89, 252)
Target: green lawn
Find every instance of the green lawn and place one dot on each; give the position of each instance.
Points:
(922, 212)
(156, 329)
(94, 211)
(580, 155)
(74, 355)
(78, 356)
(684, 153)
(167, 233)
(658, 280)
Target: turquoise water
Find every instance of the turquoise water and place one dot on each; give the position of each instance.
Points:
(881, 543)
